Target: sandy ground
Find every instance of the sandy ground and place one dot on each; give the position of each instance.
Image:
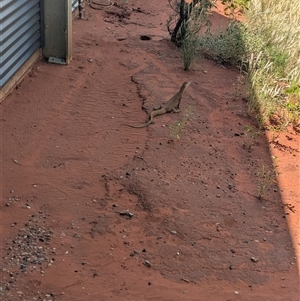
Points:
(94, 210)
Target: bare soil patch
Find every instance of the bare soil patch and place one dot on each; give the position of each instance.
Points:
(94, 210)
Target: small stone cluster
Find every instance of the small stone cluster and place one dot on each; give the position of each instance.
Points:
(28, 252)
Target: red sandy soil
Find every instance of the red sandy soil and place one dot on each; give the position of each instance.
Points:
(73, 173)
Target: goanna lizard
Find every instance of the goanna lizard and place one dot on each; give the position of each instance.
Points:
(172, 105)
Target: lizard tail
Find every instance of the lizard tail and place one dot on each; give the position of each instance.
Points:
(139, 126)
(143, 125)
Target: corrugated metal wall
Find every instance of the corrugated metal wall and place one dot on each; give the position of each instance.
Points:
(20, 35)
(74, 4)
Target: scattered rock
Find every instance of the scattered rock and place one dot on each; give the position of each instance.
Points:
(147, 263)
(135, 252)
(126, 212)
(254, 259)
(145, 38)
(185, 280)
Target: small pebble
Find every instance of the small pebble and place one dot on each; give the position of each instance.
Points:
(147, 263)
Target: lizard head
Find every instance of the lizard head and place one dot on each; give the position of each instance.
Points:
(184, 86)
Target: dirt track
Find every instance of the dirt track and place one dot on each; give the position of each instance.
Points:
(71, 169)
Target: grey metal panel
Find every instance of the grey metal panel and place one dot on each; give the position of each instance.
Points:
(58, 30)
(19, 35)
(74, 4)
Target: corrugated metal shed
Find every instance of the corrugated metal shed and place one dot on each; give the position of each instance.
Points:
(20, 35)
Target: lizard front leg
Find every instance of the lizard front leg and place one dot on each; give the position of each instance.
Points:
(179, 100)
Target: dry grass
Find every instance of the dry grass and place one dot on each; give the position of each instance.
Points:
(272, 45)
(266, 177)
(176, 130)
